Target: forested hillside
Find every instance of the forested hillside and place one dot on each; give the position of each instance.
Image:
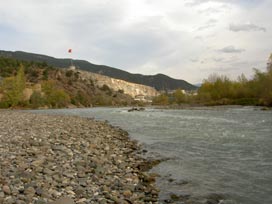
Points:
(158, 81)
(34, 84)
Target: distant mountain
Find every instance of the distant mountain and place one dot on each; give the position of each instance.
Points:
(41, 85)
(158, 81)
(198, 85)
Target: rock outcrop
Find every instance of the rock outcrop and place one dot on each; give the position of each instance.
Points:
(117, 84)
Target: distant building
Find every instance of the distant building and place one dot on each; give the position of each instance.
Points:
(173, 91)
(139, 97)
(185, 92)
(142, 98)
(72, 67)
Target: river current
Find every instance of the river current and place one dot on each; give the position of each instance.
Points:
(222, 150)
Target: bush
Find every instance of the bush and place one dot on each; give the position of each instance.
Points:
(45, 74)
(36, 100)
(4, 104)
(69, 73)
(54, 97)
(81, 98)
(101, 100)
(59, 98)
(161, 100)
(121, 91)
(13, 88)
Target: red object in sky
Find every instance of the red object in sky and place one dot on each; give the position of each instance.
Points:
(70, 51)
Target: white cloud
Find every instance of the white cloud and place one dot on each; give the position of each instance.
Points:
(246, 27)
(178, 38)
(231, 49)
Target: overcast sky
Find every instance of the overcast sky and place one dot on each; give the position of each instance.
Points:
(185, 39)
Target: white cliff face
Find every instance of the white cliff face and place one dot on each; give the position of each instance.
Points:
(118, 84)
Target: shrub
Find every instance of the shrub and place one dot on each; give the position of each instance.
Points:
(69, 73)
(36, 100)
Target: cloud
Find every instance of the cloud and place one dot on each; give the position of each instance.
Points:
(178, 37)
(194, 60)
(218, 59)
(246, 3)
(209, 24)
(246, 27)
(200, 2)
(231, 49)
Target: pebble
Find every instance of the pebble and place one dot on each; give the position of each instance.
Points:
(127, 193)
(6, 189)
(30, 191)
(48, 159)
(64, 200)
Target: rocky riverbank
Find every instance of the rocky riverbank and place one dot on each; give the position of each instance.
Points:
(77, 160)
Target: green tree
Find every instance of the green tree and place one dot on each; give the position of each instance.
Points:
(36, 100)
(59, 98)
(215, 88)
(161, 100)
(13, 88)
(54, 97)
(262, 84)
(21, 79)
(107, 89)
(81, 98)
(45, 74)
(179, 96)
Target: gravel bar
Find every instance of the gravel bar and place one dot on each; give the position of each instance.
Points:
(48, 159)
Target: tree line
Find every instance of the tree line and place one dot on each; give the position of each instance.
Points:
(33, 85)
(220, 90)
(13, 89)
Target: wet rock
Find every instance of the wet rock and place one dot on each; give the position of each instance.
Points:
(136, 109)
(214, 198)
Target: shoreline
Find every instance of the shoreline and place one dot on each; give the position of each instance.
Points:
(47, 157)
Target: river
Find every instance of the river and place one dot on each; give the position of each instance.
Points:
(221, 150)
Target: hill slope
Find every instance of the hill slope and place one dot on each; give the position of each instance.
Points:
(34, 85)
(158, 81)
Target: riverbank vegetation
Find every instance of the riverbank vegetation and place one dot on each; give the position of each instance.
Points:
(33, 85)
(220, 90)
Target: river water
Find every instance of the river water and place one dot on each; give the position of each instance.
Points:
(222, 150)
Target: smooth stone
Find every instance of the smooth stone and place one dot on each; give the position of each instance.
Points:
(20, 202)
(39, 191)
(64, 200)
(127, 193)
(2, 195)
(40, 202)
(30, 191)
(6, 189)
(38, 162)
(9, 200)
